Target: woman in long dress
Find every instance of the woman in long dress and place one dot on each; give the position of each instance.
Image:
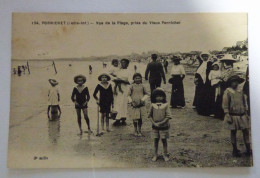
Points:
(121, 97)
(204, 91)
(178, 74)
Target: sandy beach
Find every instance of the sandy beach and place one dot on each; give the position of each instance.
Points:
(34, 141)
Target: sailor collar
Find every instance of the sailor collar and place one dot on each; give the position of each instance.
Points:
(159, 105)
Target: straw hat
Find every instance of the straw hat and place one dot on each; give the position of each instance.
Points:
(216, 63)
(80, 76)
(53, 82)
(228, 57)
(205, 53)
(104, 74)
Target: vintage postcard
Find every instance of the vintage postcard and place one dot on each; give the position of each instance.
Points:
(129, 91)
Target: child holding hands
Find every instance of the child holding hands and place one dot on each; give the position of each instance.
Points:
(159, 116)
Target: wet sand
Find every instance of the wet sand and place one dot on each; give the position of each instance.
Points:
(36, 142)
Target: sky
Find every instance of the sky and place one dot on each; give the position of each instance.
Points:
(196, 31)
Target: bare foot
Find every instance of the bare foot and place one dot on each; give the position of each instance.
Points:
(166, 158)
(155, 157)
(90, 131)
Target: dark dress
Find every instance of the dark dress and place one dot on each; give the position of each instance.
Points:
(106, 98)
(205, 98)
(177, 97)
(80, 97)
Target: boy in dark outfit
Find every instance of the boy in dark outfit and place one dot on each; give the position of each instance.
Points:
(80, 96)
(105, 100)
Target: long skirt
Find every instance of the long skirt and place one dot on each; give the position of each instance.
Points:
(121, 102)
(206, 97)
(177, 97)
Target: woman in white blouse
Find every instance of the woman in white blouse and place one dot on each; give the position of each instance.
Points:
(178, 74)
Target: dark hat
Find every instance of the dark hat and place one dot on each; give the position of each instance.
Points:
(228, 57)
(137, 75)
(53, 82)
(154, 56)
(104, 74)
(156, 92)
(114, 60)
(235, 78)
(80, 76)
(126, 60)
(176, 58)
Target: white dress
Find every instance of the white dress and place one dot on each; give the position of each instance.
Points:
(53, 96)
(121, 99)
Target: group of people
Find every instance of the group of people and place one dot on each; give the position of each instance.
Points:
(217, 94)
(19, 70)
(121, 96)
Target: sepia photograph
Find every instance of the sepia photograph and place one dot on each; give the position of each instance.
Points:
(129, 90)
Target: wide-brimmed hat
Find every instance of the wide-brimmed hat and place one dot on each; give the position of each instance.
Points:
(156, 92)
(235, 78)
(53, 82)
(104, 74)
(216, 63)
(205, 53)
(137, 75)
(80, 76)
(228, 57)
(175, 58)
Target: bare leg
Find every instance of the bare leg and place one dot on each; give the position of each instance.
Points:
(59, 109)
(85, 111)
(120, 88)
(135, 127)
(107, 122)
(234, 143)
(48, 111)
(165, 151)
(140, 127)
(247, 142)
(79, 119)
(156, 142)
(102, 121)
(115, 88)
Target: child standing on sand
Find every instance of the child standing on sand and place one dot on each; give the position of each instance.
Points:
(236, 114)
(53, 98)
(80, 96)
(136, 96)
(105, 100)
(159, 116)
